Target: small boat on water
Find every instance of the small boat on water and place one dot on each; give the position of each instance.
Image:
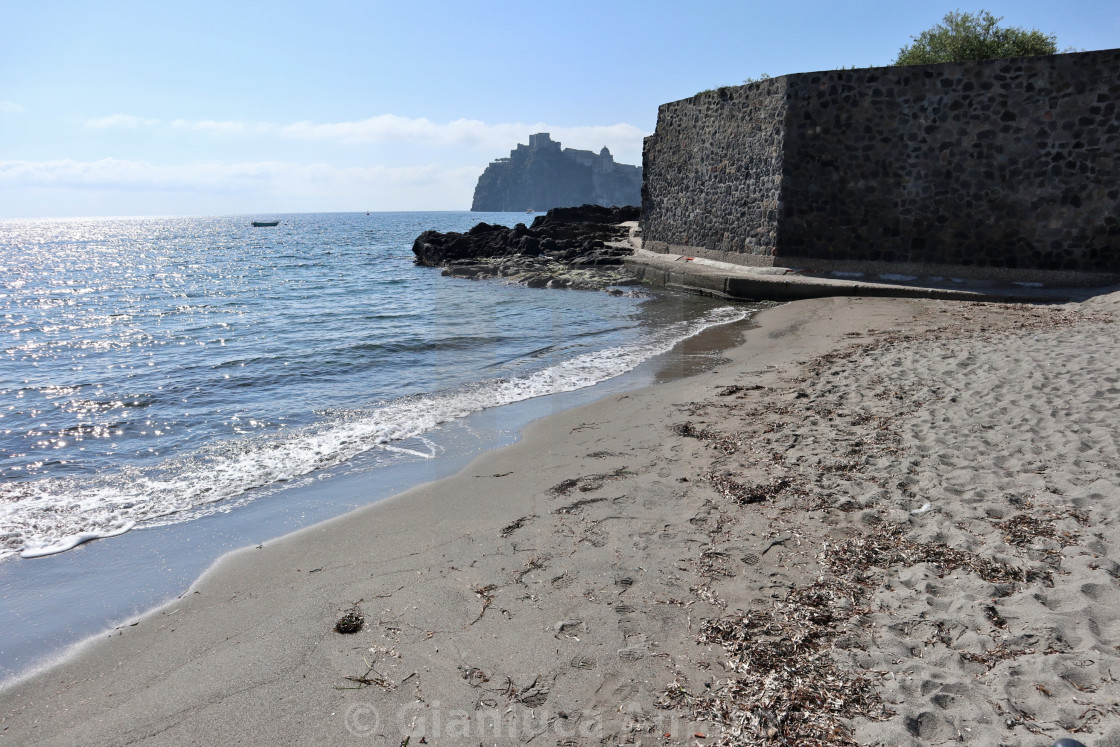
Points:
(265, 223)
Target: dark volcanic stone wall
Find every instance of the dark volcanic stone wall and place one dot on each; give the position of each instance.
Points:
(998, 164)
(718, 153)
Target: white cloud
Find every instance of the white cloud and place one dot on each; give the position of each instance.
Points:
(268, 183)
(106, 173)
(624, 139)
(10, 107)
(225, 127)
(121, 120)
(123, 174)
(389, 128)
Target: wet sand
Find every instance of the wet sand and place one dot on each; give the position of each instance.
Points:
(879, 520)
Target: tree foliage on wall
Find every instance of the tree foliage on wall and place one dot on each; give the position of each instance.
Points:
(966, 36)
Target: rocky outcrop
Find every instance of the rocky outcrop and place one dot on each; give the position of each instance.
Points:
(565, 248)
(542, 175)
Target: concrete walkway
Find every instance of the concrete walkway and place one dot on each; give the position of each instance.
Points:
(741, 282)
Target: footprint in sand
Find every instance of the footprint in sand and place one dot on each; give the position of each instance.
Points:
(625, 691)
(562, 581)
(582, 662)
(595, 540)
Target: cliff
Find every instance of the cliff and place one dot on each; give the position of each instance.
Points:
(542, 175)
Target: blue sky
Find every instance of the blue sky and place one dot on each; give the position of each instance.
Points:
(176, 108)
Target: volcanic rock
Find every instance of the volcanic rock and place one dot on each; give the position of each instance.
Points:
(565, 248)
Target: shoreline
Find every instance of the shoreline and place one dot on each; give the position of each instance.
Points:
(559, 584)
(96, 588)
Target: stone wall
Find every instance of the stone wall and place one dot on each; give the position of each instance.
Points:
(718, 153)
(1011, 164)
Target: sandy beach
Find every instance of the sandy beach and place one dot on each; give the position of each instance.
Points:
(879, 520)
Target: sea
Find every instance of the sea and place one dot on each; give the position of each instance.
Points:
(175, 388)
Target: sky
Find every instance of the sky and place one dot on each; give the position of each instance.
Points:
(232, 108)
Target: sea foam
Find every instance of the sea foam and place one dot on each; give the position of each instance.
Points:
(53, 515)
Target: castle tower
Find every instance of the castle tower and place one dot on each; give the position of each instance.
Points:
(605, 163)
(542, 141)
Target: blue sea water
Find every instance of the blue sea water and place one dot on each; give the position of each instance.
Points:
(163, 371)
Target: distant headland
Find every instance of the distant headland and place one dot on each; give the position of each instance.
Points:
(542, 175)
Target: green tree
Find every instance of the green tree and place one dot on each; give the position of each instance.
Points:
(964, 36)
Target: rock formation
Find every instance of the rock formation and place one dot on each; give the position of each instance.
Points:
(566, 248)
(542, 175)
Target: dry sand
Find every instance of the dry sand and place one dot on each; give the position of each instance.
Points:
(880, 520)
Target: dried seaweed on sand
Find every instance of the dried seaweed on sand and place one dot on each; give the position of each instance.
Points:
(788, 687)
(744, 494)
(888, 545)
